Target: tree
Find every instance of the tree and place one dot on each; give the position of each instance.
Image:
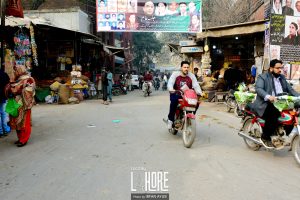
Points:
(167, 56)
(226, 12)
(145, 48)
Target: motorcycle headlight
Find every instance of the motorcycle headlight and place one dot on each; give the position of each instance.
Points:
(191, 109)
(192, 101)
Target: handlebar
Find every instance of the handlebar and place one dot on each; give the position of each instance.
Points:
(288, 98)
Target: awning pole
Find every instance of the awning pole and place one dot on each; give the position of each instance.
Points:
(3, 6)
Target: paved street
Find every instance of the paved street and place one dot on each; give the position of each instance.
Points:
(87, 151)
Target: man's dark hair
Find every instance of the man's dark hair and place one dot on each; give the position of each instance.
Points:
(162, 3)
(184, 62)
(182, 3)
(274, 62)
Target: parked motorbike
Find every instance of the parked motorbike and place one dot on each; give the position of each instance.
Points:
(119, 88)
(185, 117)
(146, 88)
(251, 130)
(232, 103)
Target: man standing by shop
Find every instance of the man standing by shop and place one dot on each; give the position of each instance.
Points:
(4, 128)
(268, 86)
(104, 85)
(110, 83)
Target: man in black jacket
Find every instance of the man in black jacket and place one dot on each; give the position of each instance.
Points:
(4, 128)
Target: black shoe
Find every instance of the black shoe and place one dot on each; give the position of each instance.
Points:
(21, 144)
(17, 142)
(2, 135)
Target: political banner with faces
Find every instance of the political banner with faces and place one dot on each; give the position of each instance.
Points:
(285, 35)
(149, 16)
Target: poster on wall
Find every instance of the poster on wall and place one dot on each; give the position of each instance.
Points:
(285, 35)
(149, 16)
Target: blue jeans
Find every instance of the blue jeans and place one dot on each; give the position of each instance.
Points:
(109, 89)
(4, 128)
(173, 106)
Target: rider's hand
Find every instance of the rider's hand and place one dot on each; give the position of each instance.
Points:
(172, 91)
(272, 99)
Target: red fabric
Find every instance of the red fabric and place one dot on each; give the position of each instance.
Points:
(180, 81)
(14, 8)
(24, 133)
(148, 77)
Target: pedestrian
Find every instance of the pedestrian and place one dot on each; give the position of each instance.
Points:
(104, 86)
(22, 91)
(4, 128)
(110, 83)
(253, 73)
(128, 81)
(141, 80)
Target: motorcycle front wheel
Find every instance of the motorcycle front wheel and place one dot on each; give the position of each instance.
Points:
(189, 132)
(253, 130)
(296, 148)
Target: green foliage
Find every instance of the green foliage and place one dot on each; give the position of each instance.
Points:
(145, 46)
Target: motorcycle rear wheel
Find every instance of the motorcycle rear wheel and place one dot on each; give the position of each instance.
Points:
(238, 113)
(296, 148)
(253, 130)
(115, 92)
(230, 104)
(189, 132)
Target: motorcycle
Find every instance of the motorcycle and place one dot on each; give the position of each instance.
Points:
(164, 86)
(232, 103)
(156, 84)
(146, 88)
(185, 117)
(251, 130)
(119, 88)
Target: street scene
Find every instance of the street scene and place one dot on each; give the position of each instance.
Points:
(149, 99)
(93, 158)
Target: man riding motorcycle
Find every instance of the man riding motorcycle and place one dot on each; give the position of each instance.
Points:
(268, 86)
(148, 78)
(176, 81)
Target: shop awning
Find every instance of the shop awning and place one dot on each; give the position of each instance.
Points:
(236, 29)
(174, 47)
(16, 21)
(119, 60)
(118, 51)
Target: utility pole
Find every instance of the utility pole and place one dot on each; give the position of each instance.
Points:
(2, 31)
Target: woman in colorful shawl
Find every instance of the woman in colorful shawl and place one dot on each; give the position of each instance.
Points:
(22, 90)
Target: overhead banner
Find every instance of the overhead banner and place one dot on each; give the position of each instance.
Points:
(285, 35)
(149, 16)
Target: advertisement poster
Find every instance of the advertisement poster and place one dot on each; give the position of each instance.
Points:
(285, 35)
(149, 16)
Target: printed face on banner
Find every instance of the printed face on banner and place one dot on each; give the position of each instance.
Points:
(285, 30)
(149, 15)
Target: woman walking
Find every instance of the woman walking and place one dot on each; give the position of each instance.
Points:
(22, 90)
